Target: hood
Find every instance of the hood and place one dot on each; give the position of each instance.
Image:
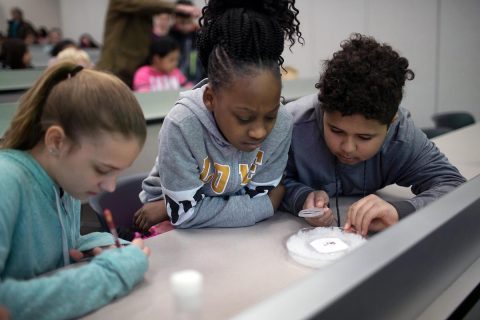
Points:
(50, 190)
(193, 100)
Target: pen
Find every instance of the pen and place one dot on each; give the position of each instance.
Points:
(111, 225)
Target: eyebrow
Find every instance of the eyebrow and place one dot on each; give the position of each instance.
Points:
(358, 134)
(254, 111)
(108, 165)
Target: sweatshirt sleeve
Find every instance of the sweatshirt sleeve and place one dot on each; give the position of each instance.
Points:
(182, 186)
(75, 291)
(427, 171)
(295, 192)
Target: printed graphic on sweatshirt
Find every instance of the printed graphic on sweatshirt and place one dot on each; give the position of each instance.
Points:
(181, 204)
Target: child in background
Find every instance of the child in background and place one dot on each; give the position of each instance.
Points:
(161, 73)
(86, 41)
(223, 147)
(14, 54)
(74, 131)
(161, 24)
(76, 56)
(352, 139)
(184, 30)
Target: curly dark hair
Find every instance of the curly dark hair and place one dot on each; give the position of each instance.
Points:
(238, 37)
(364, 77)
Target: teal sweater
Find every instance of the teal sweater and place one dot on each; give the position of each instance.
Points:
(37, 229)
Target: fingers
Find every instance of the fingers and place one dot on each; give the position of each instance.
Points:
(139, 243)
(321, 199)
(324, 220)
(147, 251)
(96, 251)
(356, 215)
(370, 213)
(310, 201)
(76, 255)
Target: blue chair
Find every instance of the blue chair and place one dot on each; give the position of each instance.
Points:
(123, 203)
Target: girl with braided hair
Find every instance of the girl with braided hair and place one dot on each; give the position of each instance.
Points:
(223, 147)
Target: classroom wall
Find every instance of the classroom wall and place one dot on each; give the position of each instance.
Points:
(88, 17)
(439, 37)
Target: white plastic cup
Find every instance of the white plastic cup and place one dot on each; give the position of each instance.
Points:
(187, 288)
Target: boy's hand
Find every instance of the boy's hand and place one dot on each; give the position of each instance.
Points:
(319, 199)
(370, 214)
(316, 199)
(150, 214)
(276, 195)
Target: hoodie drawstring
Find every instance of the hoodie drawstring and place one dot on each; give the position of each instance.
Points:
(66, 256)
(336, 187)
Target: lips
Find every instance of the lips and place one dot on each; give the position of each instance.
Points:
(346, 159)
(253, 145)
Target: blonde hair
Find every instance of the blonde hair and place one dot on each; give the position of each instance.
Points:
(75, 55)
(83, 103)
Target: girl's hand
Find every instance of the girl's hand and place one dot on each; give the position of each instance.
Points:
(139, 243)
(150, 214)
(77, 255)
(4, 314)
(276, 195)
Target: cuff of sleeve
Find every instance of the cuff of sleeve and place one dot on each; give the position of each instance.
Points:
(265, 208)
(129, 262)
(404, 208)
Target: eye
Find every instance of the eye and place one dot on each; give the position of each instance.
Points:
(244, 120)
(365, 138)
(102, 171)
(271, 117)
(335, 130)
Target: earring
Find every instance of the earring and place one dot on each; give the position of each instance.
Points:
(53, 152)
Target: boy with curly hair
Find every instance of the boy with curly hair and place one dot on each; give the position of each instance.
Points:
(352, 139)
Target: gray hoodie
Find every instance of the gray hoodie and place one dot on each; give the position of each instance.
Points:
(205, 180)
(407, 158)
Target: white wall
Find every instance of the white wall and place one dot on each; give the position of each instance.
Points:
(459, 56)
(440, 38)
(85, 16)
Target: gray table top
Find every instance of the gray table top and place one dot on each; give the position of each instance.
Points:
(240, 266)
(18, 79)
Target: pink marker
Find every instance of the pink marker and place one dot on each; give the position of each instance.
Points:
(111, 225)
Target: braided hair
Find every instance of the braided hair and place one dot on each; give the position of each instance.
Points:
(238, 37)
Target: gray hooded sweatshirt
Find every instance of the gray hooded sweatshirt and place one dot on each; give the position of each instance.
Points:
(206, 181)
(407, 158)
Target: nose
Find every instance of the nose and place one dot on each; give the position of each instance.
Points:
(257, 132)
(348, 145)
(108, 184)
